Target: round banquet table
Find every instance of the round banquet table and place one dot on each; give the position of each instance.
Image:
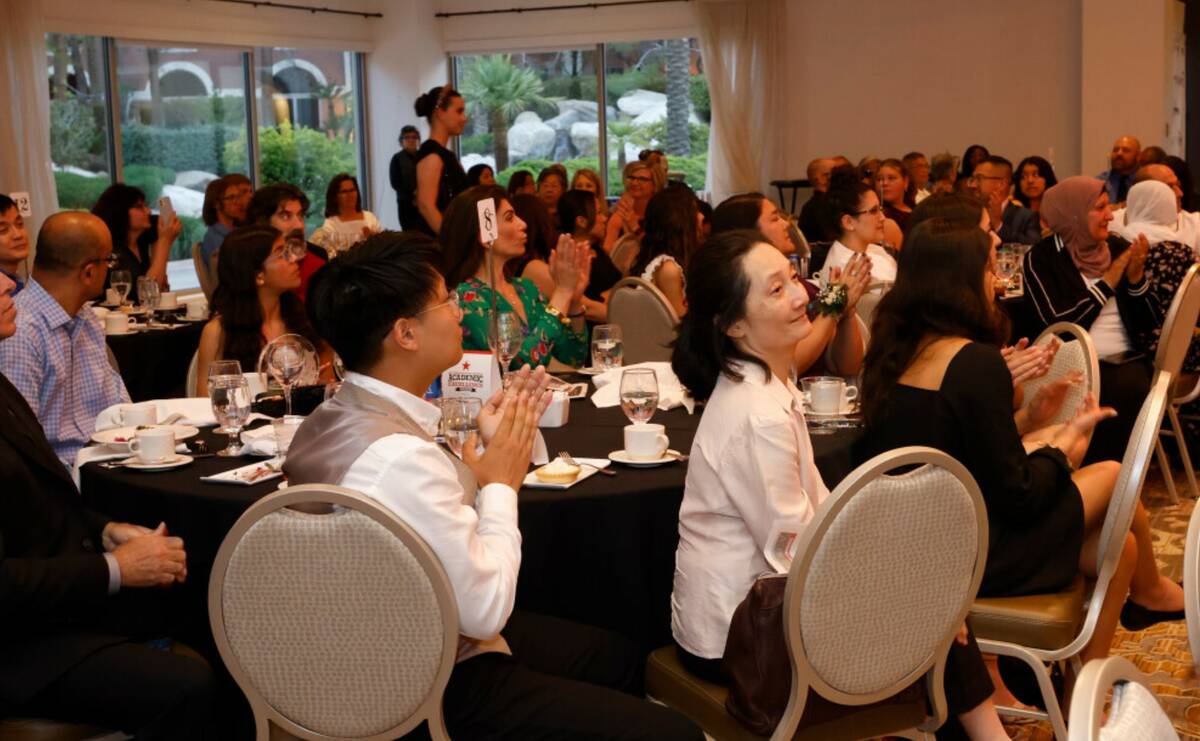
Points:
(601, 552)
(154, 362)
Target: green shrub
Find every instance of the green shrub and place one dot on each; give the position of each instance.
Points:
(73, 133)
(617, 84)
(304, 157)
(476, 144)
(193, 232)
(701, 101)
(78, 192)
(150, 179)
(186, 148)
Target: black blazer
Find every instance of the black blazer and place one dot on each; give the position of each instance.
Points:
(1020, 225)
(53, 578)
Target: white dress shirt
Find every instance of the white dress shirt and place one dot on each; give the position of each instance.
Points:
(479, 547)
(752, 486)
(883, 265)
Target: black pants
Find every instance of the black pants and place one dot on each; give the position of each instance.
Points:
(563, 681)
(1124, 388)
(147, 692)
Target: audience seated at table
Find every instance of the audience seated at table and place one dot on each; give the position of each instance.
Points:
(856, 216)
(751, 479)
(255, 302)
(992, 182)
(440, 175)
(553, 325)
(1081, 275)
(935, 375)
(14, 242)
(1034, 176)
(386, 310)
(641, 183)
(551, 184)
(346, 221)
(140, 247)
(1123, 163)
(1187, 225)
(835, 340)
(58, 358)
(225, 203)
(670, 236)
(916, 165)
(75, 589)
(521, 182)
(896, 191)
(284, 207)
(481, 174)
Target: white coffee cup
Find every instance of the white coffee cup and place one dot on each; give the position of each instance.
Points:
(112, 296)
(154, 445)
(645, 442)
(168, 300)
(135, 415)
(196, 309)
(99, 311)
(116, 322)
(828, 394)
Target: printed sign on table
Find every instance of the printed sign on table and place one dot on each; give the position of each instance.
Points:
(476, 374)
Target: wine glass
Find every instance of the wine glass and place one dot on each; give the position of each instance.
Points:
(120, 281)
(1007, 264)
(285, 358)
(460, 417)
(225, 370)
(148, 293)
(507, 342)
(639, 394)
(607, 348)
(230, 396)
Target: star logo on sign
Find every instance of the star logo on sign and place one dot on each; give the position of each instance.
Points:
(467, 365)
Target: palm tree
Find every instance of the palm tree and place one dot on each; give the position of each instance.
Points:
(502, 90)
(679, 55)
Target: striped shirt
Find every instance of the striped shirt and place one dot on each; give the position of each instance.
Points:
(60, 365)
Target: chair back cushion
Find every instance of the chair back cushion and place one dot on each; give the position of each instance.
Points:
(1076, 354)
(648, 323)
(1135, 715)
(1179, 326)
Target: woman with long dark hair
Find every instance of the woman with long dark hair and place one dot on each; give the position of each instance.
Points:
(856, 216)
(346, 222)
(1034, 177)
(440, 175)
(671, 237)
(139, 246)
(255, 302)
(971, 158)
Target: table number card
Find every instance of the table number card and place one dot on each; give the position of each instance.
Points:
(476, 374)
(23, 204)
(488, 230)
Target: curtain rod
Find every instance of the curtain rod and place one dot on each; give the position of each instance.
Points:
(310, 9)
(540, 9)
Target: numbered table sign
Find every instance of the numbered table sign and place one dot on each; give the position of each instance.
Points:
(23, 204)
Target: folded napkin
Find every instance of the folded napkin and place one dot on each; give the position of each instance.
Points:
(196, 412)
(261, 441)
(671, 392)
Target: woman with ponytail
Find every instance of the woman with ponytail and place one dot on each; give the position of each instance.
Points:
(440, 175)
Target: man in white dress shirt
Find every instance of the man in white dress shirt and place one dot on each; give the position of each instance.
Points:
(385, 309)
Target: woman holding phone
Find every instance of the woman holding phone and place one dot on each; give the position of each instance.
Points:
(138, 246)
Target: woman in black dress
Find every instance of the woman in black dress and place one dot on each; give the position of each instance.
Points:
(440, 175)
(935, 376)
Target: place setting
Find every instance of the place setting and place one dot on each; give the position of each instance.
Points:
(829, 404)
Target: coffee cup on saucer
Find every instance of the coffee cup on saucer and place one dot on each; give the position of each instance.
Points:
(645, 442)
(136, 415)
(154, 445)
(168, 300)
(827, 394)
(116, 322)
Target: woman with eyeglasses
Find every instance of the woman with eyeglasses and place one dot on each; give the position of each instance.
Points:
(256, 302)
(138, 245)
(346, 222)
(858, 220)
(642, 181)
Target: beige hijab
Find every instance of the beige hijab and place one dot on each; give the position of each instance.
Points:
(1065, 210)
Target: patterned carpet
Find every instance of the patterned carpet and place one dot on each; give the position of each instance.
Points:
(1160, 652)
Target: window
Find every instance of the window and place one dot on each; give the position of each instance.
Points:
(78, 118)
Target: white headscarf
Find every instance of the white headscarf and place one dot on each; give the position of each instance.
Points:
(1150, 209)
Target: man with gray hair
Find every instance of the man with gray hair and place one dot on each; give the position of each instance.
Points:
(58, 359)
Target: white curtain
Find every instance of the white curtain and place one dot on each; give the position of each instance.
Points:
(25, 115)
(744, 59)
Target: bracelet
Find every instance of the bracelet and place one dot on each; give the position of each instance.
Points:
(832, 300)
(554, 312)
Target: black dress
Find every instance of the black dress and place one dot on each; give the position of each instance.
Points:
(453, 181)
(1035, 513)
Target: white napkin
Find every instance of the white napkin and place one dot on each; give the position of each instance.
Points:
(94, 453)
(196, 412)
(671, 392)
(261, 441)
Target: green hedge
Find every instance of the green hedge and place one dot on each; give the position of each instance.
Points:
(77, 192)
(150, 179)
(193, 232)
(303, 157)
(476, 144)
(186, 148)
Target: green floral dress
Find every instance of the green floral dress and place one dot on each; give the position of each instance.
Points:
(545, 335)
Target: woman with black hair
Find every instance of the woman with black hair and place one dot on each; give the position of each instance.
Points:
(551, 184)
(440, 175)
(481, 174)
(255, 302)
(857, 217)
(671, 237)
(346, 222)
(521, 182)
(138, 245)
(971, 158)
(1034, 177)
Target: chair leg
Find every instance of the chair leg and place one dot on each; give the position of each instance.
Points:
(1042, 674)
(1165, 464)
(1173, 415)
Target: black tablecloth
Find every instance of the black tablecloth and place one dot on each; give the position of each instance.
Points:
(601, 552)
(154, 363)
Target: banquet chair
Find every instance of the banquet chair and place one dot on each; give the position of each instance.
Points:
(1076, 354)
(337, 622)
(1191, 585)
(192, 384)
(1134, 714)
(647, 321)
(1042, 629)
(625, 252)
(1176, 337)
(866, 632)
(207, 279)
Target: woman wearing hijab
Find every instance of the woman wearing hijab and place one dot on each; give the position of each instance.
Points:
(1082, 275)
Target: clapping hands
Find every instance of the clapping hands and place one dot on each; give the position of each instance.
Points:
(1027, 361)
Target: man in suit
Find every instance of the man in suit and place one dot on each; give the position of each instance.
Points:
(1013, 222)
(75, 609)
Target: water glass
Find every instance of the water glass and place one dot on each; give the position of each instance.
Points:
(120, 281)
(607, 347)
(510, 334)
(460, 418)
(639, 394)
(224, 370)
(285, 429)
(230, 398)
(148, 293)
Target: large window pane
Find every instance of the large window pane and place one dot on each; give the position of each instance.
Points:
(307, 121)
(660, 97)
(528, 110)
(78, 118)
(180, 108)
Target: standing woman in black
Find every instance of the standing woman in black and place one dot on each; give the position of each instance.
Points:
(440, 175)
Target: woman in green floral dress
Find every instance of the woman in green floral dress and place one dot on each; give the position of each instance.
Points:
(554, 326)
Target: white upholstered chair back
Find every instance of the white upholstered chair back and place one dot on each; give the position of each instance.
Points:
(1179, 326)
(191, 386)
(336, 625)
(1076, 354)
(882, 579)
(1134, 714)
(625, 252)
(1191, 585)
(648, 323)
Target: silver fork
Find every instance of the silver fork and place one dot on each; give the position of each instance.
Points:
(567, 457)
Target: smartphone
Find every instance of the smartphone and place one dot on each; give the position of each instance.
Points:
(1121, 358)
(166, 210)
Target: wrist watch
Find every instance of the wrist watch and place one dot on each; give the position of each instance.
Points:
(554, 312)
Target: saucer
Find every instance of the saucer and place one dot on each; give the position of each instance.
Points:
(131, 330)
(850, 407)
(175, 461)
(620, 456)
(120, 437)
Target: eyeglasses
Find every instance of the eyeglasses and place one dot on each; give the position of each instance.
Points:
(977, 178)
(451, 300)
(110, 262)
(638, 179)
(873, 211)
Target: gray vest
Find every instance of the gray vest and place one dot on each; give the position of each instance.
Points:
(334, 436)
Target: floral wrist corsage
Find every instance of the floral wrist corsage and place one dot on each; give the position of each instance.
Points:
(832, 299)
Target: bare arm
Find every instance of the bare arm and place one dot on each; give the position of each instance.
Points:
(669, 279)
(210, 347)
(429, 174)
(846, 350)
(539, 272)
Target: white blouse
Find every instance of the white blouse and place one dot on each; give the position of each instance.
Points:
(1107, 330)
(883, 265)
(336, 235)
(752, 486)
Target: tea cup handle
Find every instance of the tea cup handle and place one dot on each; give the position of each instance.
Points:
(134, 446)
(851, 393)
(663, 444)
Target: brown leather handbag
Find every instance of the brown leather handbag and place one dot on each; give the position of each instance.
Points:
(756, 657)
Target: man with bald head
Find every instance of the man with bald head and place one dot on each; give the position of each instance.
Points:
(1123, 162)
(58, 359)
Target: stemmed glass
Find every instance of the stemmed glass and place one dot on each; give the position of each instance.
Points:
(507, 342)
(639, 394)
(1007, 264)
(460, 417)
(223, 370)
(607, 348)
(120, 281)
(285, 358)
(148, 293)
(230, 396)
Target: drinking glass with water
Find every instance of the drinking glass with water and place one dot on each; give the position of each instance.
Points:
(607, 347)
(639, 394)
(460, 418)
(230, 397)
